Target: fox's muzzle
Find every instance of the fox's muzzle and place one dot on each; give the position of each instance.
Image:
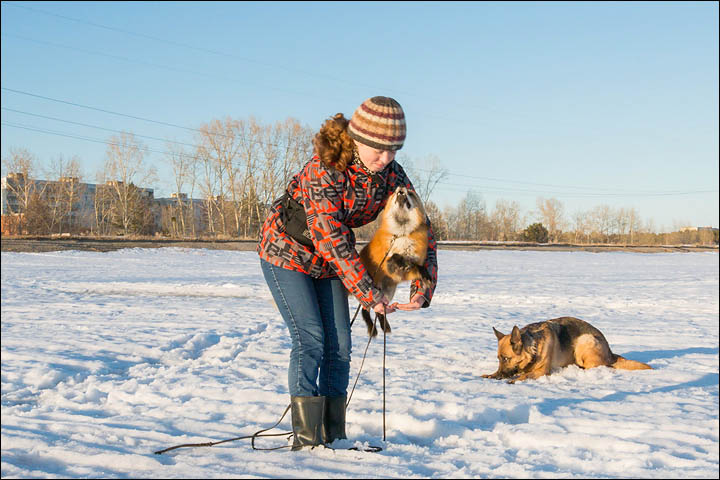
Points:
(403, 200)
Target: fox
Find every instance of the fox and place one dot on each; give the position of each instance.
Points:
(398, 250)
(538, 348)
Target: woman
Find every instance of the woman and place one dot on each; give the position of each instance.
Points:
(308, 258)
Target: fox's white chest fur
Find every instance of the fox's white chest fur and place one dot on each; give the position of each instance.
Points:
(406, 247)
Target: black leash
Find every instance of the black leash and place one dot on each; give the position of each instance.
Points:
(261, 433)
(384, 352)
(252, 437)
(357, 377)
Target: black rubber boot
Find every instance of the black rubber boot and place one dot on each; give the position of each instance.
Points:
(334, 421)
(307, 421)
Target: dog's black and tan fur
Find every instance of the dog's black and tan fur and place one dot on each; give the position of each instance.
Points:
(538, 348)
(398, 250)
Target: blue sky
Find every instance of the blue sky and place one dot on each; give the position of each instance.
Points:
(606, 103)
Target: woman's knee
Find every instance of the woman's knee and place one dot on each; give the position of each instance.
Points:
(339, 351)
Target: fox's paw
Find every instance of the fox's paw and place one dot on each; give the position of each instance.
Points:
(397, 264)
(372, 331)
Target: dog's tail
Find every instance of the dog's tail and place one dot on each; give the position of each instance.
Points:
(624, 364)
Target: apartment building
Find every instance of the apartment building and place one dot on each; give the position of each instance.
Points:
(74, 199)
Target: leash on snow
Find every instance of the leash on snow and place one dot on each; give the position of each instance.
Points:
(260, 433)
(252, 437)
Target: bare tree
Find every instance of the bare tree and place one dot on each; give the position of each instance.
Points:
(620, 223)
(437, 220)
(582, 226)
(27, 197)
(126, 170)
(425, 175)
(253, 138)
(184, 167)
(472, 222)
(297, 140)
(20, 166)
(102, 205)
(192, 180)
(601, 217)
(634, 223)
(67, 193)
(52, 210)
(219, 153)
(285, 146)
(245, 165)
(269, 175)
(506, 219)
(208, 186)
(627, 222)
(646, 232)
(707, 236)
(551, 214)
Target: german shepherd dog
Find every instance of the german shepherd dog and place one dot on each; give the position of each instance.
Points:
(538, 348)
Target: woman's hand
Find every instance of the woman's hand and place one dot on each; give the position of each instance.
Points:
(382, 306)
(417, 301)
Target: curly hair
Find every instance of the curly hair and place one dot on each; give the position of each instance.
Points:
(333, 144)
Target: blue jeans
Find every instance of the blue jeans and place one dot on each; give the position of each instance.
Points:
(318, 317)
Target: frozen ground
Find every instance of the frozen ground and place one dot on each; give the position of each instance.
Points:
(108, 357)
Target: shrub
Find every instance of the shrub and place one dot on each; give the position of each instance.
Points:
(536, 233)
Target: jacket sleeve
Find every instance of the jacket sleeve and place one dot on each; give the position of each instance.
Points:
(431, 261)
(322, 193)
(431, 266)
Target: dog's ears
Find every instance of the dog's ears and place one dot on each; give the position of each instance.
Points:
(516, 340)
(498, 334)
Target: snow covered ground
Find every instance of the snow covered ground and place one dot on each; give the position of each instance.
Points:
(108, 357)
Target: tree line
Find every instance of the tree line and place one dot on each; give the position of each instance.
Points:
(227, 180)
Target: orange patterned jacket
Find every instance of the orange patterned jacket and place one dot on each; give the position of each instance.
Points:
(334, 203)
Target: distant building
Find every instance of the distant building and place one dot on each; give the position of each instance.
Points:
(167, 214)
(15, 190)
(698, 229)
(14, 186)
(10, 186)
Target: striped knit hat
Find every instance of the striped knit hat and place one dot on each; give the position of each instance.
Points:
(379, 123)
